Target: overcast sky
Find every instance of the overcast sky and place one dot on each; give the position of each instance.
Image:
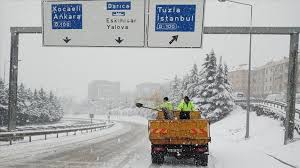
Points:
(68, 70)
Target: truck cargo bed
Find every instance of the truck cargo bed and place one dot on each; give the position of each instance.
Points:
(193, 131)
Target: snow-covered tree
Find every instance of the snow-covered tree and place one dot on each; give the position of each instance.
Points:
(3, 103)
(223, 99)
(209, 86)
(32, 107)
(3, 96)
(227, 83)
(22, 106)
(229, 103)
(184, 86)
(176, 92)
(193, 82)
(55, 108)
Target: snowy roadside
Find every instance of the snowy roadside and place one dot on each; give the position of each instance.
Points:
(230, 148)
(23, 151)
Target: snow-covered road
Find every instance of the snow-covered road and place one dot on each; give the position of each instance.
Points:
(126, 145)
(105, 151)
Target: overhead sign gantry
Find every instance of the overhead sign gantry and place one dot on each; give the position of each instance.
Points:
(123, 23)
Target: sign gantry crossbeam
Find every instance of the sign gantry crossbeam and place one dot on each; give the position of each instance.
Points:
(207, 30)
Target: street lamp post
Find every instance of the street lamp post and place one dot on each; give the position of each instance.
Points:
(249, 70)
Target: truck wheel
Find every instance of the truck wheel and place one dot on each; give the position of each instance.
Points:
(201, 160)
(158, 158)
(197, 162)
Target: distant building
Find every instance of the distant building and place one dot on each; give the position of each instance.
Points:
(266, 80)
(238, 76)
(147, 90)
(257, 82)
(101, 89)
(105, 94)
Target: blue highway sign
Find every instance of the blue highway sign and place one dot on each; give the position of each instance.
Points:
(66, 16)
(175, 18)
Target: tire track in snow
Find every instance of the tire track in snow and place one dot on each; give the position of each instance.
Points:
(282, 161)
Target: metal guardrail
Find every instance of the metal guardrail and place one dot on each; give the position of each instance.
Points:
(86, 122)
(275, 104)
(55, 127)
(274, 108)
(11, 136)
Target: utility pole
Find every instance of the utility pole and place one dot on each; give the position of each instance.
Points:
(249, 63)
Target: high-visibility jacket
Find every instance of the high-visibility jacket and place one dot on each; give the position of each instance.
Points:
(167, 105)
(186, 106)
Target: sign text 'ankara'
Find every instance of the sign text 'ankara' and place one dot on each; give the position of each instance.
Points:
(66, 16)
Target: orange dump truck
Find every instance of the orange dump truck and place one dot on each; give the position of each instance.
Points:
(181, 138)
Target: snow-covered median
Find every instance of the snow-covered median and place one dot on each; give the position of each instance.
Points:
(133, 119)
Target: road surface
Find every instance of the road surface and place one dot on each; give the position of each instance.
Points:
(126, 147)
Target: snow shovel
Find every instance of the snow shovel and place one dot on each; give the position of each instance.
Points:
(167, 114)
(140, 105)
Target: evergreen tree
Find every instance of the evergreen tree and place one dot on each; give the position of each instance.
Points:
(176, 92)
(228, 85)
(42, 94)
(193, 82)
(21, 98)
(37, 107)
(3, 95)
(3, 103)
(184, 86)
(22, 116)
(209, 86)
(222, 99)
(51, 96)
(57, 112)
(42, 106)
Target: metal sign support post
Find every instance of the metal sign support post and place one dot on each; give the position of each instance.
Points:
(291, 89)
(13, 72)
(13, 81)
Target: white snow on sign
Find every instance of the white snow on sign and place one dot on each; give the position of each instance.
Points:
(94, 23)
(175, 23)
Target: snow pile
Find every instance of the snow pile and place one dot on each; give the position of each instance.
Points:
(230, 149)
